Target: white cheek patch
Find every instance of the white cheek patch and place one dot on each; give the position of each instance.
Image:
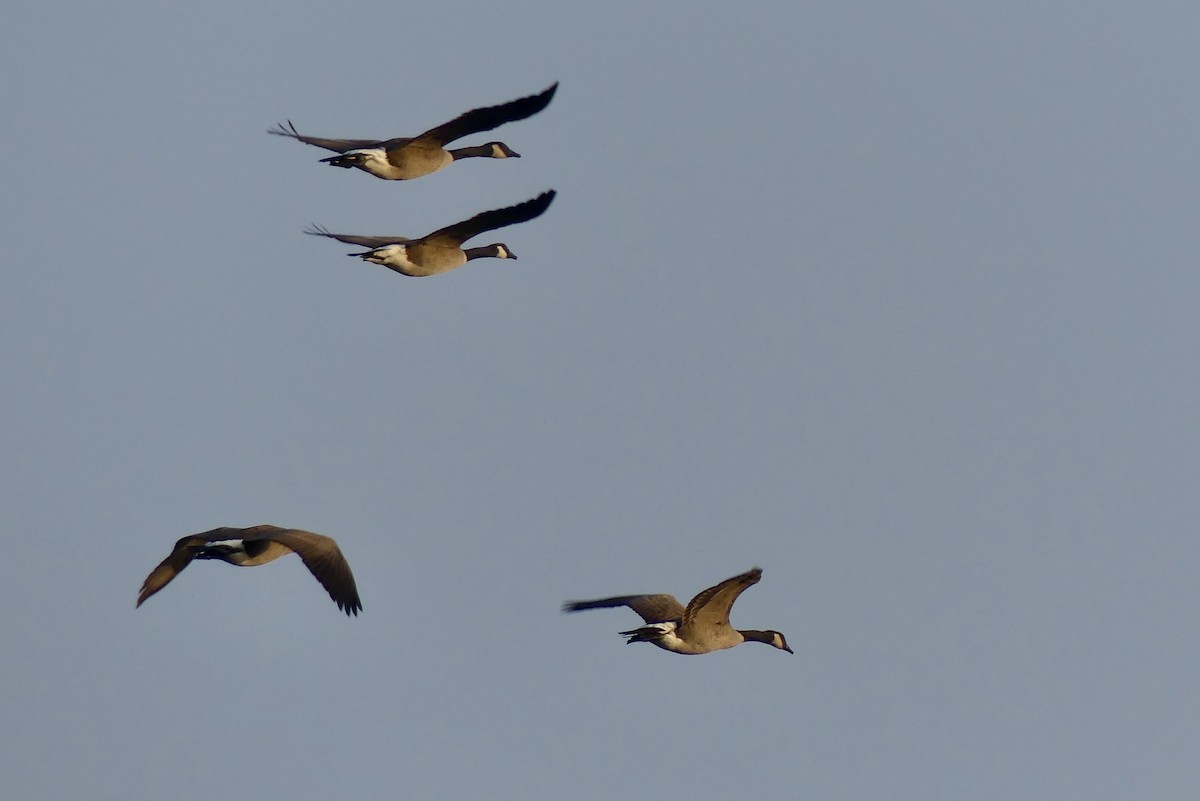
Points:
(502, 252)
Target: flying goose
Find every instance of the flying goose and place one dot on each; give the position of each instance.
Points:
(700, 628)
(442, 250)
(258, 545)
(400, 159)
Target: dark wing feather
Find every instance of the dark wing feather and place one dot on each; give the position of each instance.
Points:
(324, 560)
(354, 239)
(336, 145)
(489, 117)
(262, 531)
(711, 607)
(489, 220)
(170, 567)
(652, 608)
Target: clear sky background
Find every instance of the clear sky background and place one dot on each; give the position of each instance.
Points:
(897, 301)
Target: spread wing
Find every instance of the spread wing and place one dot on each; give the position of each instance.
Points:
(354, 239)
(489, 117)
(170, 567)
(336, 145)
(323, 559)
(711, 607)
(652, 608)
(487, 220)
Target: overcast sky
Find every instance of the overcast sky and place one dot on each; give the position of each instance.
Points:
(897, 301)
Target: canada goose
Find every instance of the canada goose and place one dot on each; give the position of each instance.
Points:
(400, 159)
(258, 545)
(442, 250)
(699, 629)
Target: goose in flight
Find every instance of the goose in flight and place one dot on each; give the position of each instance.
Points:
(258, 545)
(403, 158)
(442, 250)
(699, 628)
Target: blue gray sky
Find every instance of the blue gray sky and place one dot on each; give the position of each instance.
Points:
(896, 301)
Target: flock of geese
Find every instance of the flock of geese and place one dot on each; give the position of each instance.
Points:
(701, 627)
(403, 159)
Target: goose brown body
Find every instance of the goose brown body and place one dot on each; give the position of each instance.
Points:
(699, 628)
(402, 159)
(442, 250)
(258, 545)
